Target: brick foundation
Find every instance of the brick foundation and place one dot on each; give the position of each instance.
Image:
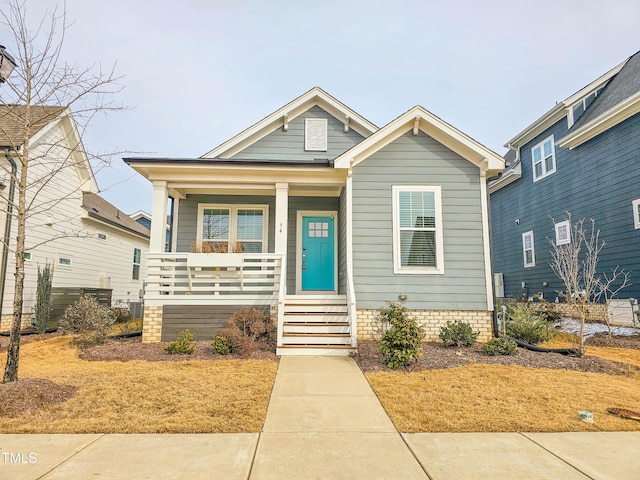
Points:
(7, 319)
(432, 320)
(152, 324)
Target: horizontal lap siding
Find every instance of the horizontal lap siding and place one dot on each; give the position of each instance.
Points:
(203, 321)
(418, 160)
(598, 180)
(289, 145)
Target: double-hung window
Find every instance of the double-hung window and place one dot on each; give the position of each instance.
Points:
(563, 232)
(417, 230)
(528, 249)
(543, 158)
(233, 228)
(635, 204)
(136, 264)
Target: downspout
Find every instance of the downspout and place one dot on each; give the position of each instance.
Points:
(7, 227)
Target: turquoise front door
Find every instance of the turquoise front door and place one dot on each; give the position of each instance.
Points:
(318, 253)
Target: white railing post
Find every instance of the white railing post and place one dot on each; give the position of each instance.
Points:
(281, 296)
(351, 309)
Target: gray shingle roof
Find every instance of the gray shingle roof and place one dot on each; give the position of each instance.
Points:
(623, 85)
(100, 209)
(12, 119)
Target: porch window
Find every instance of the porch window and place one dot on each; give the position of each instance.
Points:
(417, 229)
(233, 228)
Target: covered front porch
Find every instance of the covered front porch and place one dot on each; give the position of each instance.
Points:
(266, 236)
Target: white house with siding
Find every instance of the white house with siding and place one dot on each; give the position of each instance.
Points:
(90, 243)
(320, 216)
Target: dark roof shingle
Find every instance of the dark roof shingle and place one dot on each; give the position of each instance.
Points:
(100, 209)
(13, 117)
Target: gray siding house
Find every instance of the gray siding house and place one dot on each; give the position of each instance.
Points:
(321, 217)
(581, 157)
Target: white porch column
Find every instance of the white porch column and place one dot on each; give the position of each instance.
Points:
(158, 217)
(282, 217)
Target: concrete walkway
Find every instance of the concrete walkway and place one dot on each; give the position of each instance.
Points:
(323, 422)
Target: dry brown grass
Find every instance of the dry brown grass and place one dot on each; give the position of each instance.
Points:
(497, 398)
(622, 355)
(144, 397)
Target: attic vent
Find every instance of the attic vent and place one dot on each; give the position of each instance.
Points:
(315, 134)
(94, 209)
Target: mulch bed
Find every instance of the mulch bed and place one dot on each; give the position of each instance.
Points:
(602, 340)
(437, 356)
(30, 394)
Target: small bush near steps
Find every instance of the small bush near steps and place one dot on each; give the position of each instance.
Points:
(249, 331)
(88, 321)
(500, 346)
(401, 344)
(458, 334)
(182, 345)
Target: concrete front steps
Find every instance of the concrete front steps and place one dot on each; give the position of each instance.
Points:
(316, 325)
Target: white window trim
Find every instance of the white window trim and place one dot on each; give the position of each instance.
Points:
(233, 220)
(545, 173)
(583, 100)
(398, 269)
(636, 215)
(309, 124)
(559, 225)
(524, 249)
(138, 264)
(60, 265)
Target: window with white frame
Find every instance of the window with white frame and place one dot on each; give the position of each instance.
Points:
(563, 233)
(636, 213)
(137, 254)
(528, 249)
(64, 261)
(543, 159)
(233, 228)
(417, 230)
(315, 134)
(577, 109)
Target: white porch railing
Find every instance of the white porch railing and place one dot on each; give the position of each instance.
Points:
(282, 291)
(351, 309)
(213, 278)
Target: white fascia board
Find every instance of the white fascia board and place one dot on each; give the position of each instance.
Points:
(508, 177)
(560, 110)
(140, 214)
(315, 96)
(433, 126)
(608, 119)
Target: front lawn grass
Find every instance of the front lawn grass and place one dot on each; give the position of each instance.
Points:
(144, 397)
(497, 398)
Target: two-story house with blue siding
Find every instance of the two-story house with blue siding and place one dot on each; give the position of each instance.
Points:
(581, 157)
(318, 216)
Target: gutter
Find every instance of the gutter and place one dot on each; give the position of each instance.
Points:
(7, 227)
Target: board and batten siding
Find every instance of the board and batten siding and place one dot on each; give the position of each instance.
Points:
(418, 160)
(59, 231)
(598, 179)
(289, 145)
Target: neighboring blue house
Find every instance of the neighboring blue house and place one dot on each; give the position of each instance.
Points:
(582, 157)
(319, 216)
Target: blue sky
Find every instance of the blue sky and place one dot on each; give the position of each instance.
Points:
(198, 72)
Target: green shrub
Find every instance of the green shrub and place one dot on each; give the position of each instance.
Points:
(250, 331)
(528, 326)
(221, 345)
(88, 321)
(43, 297)
(182, 345)
(401, 344)
(500, 346)
(458, 334)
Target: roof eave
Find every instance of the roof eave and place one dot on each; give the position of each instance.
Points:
(508, 177)
(602, 123)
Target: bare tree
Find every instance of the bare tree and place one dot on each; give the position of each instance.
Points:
(42, 89)
(576, 264)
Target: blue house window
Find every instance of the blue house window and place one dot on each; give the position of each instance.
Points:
(636, 213)
(528, 249)
(417, 230)
(543, 158)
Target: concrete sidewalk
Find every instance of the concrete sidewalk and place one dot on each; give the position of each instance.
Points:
(323, 421)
